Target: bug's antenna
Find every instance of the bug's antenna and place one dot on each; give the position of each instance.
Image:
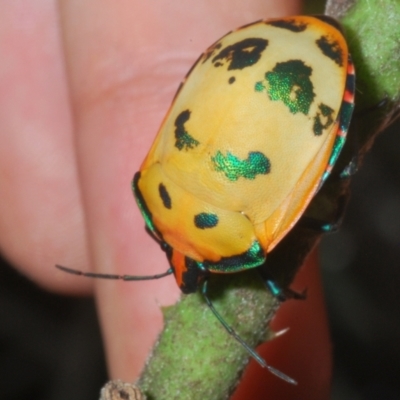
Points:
(114, 276)
(251, 351)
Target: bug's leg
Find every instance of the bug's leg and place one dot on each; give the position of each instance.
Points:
(251, 351)
(378, 105)
(326, 226)
(113, 276)
(282, 294)
(320, 226)
(353, 165)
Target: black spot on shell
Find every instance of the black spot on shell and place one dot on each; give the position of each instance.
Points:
(211, 50)
(165, 197)
(331, 49)
(205, 220)
(183, 140)
(289, 24)
(241, 54)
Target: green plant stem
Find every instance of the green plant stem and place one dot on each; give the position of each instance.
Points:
(194, 353)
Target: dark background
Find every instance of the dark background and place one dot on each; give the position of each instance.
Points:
(50, 346)
(360, 266)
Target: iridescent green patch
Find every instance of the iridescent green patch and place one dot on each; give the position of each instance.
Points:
(346, 112)
(260, 87)
(337, 148)
(325, 113)
(205, 220)
(290, 83)
(183, 140)
(252, 258)
(147, 216)
(233, 167)
(331, 49)
(241, 54)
